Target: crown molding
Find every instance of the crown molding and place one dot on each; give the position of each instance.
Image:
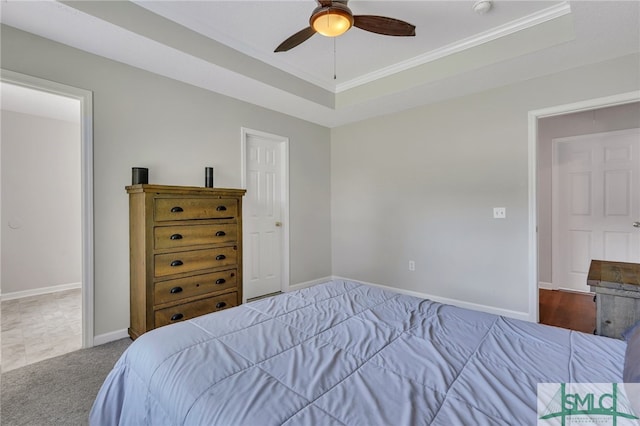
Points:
(529, 21)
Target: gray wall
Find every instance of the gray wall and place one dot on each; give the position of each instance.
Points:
(420, 185)
(142, 119)
(41, 236)
(582, 123)
(365, 198)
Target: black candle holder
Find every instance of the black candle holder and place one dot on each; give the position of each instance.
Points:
(139, 175)
(208, 177)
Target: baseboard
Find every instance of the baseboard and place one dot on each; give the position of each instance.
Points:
(264, 296)
(121, 334)
(309, 283)
(459, 303)
(40, 291)
(110, 337)
(546, 286)
(549, 286)
(573, 290)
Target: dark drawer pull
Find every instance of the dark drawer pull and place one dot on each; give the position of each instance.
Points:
(175, 290)
(221, 257)
(176, 317)
(176, 237)
(176, 209)
(220, 234)
(221, 281)
(221, 208)
(220, 305)
(176, 263)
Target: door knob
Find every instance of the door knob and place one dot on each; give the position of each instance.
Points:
(280, 224)
(636, 224)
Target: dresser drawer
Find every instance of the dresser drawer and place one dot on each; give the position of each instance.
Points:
(168, 237)
(194, 260)
(194, 208)
(194, 309)
(182, 288)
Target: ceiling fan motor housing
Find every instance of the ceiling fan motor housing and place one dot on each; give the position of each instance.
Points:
(331, 20)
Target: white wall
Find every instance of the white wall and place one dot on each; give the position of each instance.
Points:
(176, 130)
(41, 235)
(420, 185)
(583, 123)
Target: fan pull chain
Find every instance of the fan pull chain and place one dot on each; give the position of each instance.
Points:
(334, 58)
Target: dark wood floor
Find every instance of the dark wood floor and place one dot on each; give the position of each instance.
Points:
(574, 311)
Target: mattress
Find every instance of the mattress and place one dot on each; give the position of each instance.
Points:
(343, 353)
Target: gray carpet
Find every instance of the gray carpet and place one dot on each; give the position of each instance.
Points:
(57, 391)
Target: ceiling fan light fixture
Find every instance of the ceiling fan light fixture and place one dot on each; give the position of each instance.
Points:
(331, 21)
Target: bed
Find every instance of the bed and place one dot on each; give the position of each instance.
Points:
(344, 353)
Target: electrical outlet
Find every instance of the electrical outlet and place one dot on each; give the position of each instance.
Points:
(412, 265)
(499, 212)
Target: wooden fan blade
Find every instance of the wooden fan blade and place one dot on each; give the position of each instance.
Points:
(296, 39)
(384, 25)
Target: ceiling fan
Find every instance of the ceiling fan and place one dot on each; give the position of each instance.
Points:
(333, 18)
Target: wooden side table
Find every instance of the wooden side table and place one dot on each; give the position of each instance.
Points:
(617, 288)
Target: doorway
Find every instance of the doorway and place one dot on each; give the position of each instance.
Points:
(595, 180)
(615, 113)
(47, 223)
(265, 213)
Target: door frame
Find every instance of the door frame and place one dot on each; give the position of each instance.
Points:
(533, 116)
(245, 133)
(86, 182)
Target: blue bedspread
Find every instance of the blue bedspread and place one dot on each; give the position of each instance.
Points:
(342, 353)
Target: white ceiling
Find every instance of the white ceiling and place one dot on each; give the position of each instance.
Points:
(227, 47)
(257, 27)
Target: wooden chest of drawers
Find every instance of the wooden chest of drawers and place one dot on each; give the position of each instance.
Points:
(617, 288)
(185, 253)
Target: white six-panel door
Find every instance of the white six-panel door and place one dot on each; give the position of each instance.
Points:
(264, 218)
(596, 200)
